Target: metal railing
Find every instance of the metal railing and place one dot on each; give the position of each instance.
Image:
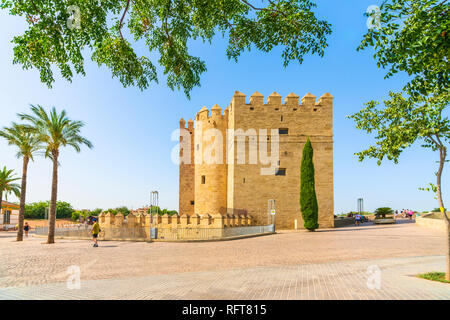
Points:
(248, 230)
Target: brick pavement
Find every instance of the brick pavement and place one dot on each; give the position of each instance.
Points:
(290, 265)
(332, 280)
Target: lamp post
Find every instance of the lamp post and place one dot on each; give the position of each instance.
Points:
(154, 202)
(360, 205)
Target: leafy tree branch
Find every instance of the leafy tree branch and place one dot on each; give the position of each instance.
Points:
(167, 27)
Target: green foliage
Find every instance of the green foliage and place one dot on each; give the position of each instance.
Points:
(76, 215)
(401, 123)
(83, 214)
(54, 130)
(383, 211)
(7, 184)
(161, 212)
(123, 210)
(435, 210)
(61, 35)
(413, 38)
(308, 199)
(36, 210)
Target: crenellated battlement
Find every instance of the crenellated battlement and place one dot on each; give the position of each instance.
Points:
(216, 114)
(109, 220)
(190, 126)
(292, 101)
(274, 100)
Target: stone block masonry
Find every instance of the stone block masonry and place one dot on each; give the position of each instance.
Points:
(226, 177)
(175, 227)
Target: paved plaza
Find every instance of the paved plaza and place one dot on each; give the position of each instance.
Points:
(366, 262)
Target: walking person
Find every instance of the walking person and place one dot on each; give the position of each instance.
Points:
(410, 213)
(357, 219)
(26, 228)
(95, 231)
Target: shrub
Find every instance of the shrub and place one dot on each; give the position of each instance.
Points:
(36, 210)
(96, 212)
(308, 199)
(123, 210)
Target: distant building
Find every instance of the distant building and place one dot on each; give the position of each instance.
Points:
(9, 214)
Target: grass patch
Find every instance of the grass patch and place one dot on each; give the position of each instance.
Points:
(434, 276)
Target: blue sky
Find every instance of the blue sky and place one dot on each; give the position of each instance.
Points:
(131, 130)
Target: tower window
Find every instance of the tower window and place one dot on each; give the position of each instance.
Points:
(281, 118)
(243, 180)
(198, 147)
(280, 172)
(203, 179)
(283, 131)
(192, 202)
(251, 108)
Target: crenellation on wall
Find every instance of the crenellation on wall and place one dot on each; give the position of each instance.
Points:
(291, 100)
(238, 100)
(256, 99)
(274, 99)
(309, 100)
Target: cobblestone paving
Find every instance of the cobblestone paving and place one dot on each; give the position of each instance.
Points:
(329, 264)
(334, 280)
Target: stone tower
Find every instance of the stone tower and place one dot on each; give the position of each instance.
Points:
(210, 167)
(226, 170)
(187, 167)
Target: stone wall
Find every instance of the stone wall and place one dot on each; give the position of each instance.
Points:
(184, 227)
(187, 168)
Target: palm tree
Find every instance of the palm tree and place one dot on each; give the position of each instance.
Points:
(28, 145)
(7, 185)
(54, 131)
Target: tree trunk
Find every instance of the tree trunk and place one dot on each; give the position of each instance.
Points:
(52, 217)
(447, 272)
(1, 200)
(442, 157)
(22, 198)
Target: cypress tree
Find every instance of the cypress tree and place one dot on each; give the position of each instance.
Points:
(308, 199)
